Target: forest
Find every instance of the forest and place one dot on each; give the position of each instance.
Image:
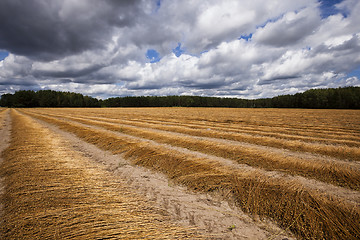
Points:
(329, 98)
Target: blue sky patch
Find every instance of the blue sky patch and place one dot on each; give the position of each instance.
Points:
(153, 55)
(178, 51)
(355, 73)
(246, 37)
(269, 21)
(158, 5)
(3, 55)
(328, 8)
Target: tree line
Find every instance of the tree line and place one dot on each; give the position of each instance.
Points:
(329, 98)
(47, 98)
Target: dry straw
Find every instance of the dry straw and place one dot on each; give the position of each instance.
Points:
(337, 173)
(263, 126)
(324, 144)
(52, 192)
(305, 212)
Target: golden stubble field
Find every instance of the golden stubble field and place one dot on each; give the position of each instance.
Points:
(298, 168)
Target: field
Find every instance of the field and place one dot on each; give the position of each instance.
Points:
(296, 169)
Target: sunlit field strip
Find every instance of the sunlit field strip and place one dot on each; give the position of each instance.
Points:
(64, 196)
(338, 151)
(305, 212)
(331, 172)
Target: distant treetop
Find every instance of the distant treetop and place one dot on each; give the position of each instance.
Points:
(334, 98)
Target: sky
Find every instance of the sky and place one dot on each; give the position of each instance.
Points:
(232, 48)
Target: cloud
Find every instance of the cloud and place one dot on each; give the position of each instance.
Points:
(120, 48)
(290, 29)
(46, 30)
(15, 67)
(202, 25)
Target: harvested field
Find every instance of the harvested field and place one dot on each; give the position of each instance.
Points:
(52, 192)
(338, 172)
(299, 168)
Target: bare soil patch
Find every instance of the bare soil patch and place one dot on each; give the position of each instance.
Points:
(5, 126)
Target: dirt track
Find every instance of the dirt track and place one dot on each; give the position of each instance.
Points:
(5, 125)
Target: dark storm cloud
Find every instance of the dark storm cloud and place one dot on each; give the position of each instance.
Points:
(17, 82)
(47, 30)
(277, 79)
(203, 85)
(146, 87)
(69, 73)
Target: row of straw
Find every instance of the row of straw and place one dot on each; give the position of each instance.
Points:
(343, 149)
(306, 213)
(338, 173)
(53, 192)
